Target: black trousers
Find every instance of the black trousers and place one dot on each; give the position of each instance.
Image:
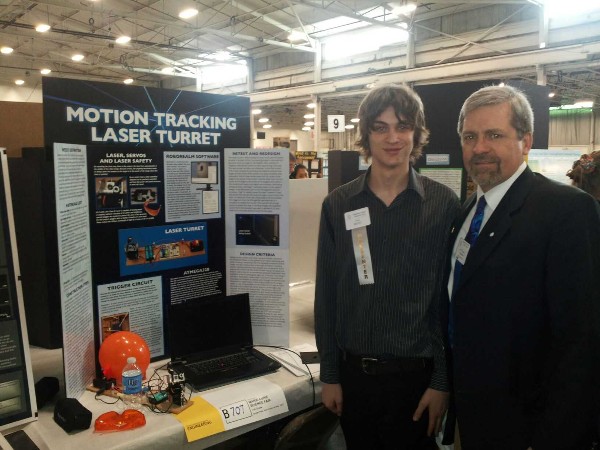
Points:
(377, 410)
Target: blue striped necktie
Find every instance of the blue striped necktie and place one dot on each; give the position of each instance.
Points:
(471, 238)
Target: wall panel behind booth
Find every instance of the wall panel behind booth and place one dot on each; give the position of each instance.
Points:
(21, 125)
(35, 217)
(443, 102)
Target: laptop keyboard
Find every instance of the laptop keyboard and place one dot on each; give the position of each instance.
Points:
(220, 364)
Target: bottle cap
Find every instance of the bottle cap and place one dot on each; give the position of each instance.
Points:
(131, 360)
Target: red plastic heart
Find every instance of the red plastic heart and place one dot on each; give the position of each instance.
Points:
(113, 421)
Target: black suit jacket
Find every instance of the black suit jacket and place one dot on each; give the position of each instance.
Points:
(526, 321)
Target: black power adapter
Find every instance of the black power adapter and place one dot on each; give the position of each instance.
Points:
(103, 383)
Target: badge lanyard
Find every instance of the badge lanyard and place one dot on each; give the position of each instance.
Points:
(357, 221)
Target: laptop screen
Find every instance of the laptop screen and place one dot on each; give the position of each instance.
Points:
(207, 327)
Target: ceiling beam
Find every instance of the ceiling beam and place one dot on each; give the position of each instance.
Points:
(483, 66)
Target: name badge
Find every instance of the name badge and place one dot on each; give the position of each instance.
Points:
(357, 218)
(462, 251)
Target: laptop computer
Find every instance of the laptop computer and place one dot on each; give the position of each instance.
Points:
(211, 342)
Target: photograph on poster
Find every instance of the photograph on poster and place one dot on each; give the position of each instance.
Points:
(152, 249)
(205, 172)
(113, 323)
(257, 229)
(5, 307)
(144, 194)
(11, 394)
(111, 192)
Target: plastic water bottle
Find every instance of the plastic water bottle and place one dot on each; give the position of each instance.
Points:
(132, 384)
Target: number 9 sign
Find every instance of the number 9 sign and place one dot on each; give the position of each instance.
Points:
(336, 124)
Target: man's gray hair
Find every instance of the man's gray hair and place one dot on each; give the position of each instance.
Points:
(522, 114)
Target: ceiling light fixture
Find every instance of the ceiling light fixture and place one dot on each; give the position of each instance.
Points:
(403, 10)
(263, 120)
(296, 36)
(309, 123)
(267, 126)
(551, 94)
(45, 71)
(256, 111)
(355, 120)
(77, 57)
(6, 50)
(311, 105)
(222, 56)
(122, 39)
(349, 127)
(128, 80)
(309, 116)
(576, 105)
(306, 128)
(188, 13)
(19, 82)
(42, 27)
(167, 70)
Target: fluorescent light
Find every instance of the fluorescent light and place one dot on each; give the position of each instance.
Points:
(576, 105)
(122, 39)
(367, 40)
(167, 70)
(45, 71)
(551, 94)
(256, 111)
(404, 10)
(309, 116)
(349, 127)
(188, 13)
(267, 126)
(222, 56)
(263, 120)
(296, 36)
(311, 105)
(355, 120)
(557, 9)
(42, 27)
(309, 123)
(19, 82)
(306, 128)
(501, 84)
(128, 80)
(6, 50)
(220, 73)
(77, 57)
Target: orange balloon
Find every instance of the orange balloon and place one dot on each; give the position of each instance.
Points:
(119, 346)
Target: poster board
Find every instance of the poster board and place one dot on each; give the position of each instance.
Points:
(258, 238)
(146, 171)
(17, 390)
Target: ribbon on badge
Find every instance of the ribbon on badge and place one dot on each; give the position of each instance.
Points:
(362, 254)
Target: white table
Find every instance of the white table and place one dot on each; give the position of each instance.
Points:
(164, 431)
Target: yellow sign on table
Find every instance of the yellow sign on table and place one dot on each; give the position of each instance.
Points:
(232, 406)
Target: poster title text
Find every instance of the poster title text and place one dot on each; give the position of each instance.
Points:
(143, 127)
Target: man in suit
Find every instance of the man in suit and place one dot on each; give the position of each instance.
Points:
(524, 290)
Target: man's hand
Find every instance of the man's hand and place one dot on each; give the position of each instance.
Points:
(437, 403)
(331, 396)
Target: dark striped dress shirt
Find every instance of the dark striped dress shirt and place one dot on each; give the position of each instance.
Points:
(398, 315)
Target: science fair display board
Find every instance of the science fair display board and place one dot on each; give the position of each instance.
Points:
(139, 187)
(17, 391)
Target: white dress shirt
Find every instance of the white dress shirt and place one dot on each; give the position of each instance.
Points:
(492, 200)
